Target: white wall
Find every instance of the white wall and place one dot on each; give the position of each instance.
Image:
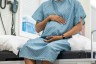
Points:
(7, 19)
(93, 14)
(86, 5)
(93, 19)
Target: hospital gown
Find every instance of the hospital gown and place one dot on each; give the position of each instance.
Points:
(37, 49)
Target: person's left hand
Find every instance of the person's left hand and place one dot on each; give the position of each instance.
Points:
(52, 38)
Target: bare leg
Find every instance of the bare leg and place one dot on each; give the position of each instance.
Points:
(46, 62)
(28, 61)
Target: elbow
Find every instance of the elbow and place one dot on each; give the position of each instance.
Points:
(80, 24)
(37, 31)
(80, 27)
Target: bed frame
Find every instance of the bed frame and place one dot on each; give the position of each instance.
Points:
(10, 56)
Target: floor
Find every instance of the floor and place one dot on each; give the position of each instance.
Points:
(11, 62)
(70, 61)
(16, 62)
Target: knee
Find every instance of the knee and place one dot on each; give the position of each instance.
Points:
(29, 61)
(45, 62)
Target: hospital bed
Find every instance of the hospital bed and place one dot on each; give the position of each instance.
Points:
(7, 55)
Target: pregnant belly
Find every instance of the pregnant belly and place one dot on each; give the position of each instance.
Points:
(52, 28)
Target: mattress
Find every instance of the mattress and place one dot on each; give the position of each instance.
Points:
(10, 56)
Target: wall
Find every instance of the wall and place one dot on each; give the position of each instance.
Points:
(7, 19)
(93, 20)
(93, 11)
(86, 5)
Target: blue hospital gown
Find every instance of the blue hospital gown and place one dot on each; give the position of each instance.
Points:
(37, 49)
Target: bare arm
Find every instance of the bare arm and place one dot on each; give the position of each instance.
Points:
(74, 30)
(41, 25)
(71, 32)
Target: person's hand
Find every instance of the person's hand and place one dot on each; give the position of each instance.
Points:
(57, 19)
(52, 38)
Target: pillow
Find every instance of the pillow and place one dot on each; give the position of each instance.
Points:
(78, 42)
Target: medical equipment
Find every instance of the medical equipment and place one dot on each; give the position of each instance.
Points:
(14, 6)
(2, 23)
(28, 25)
(13, 9)
(1, 15)
(5, 1)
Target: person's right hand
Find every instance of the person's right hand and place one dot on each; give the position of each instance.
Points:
(57, 19)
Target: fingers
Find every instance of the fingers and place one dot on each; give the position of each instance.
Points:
(50, 40)
(61, 20)
(57, 18)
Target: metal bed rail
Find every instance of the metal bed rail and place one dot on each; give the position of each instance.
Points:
(92, 51)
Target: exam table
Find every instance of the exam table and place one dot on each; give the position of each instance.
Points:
(10, 56)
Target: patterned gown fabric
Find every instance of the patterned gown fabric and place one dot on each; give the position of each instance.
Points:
(37, 49)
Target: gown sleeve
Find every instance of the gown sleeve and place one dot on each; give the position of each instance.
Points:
(38, 15)
(79, 13)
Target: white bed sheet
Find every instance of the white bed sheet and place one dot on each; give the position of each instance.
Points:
(12, 43)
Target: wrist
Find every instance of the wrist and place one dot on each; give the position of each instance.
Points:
(49, 17)
(60, 37)
(63, 36)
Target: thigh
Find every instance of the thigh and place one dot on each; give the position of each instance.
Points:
(35, 43)
(60, 45)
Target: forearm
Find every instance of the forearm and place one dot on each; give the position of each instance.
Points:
(41, 25)
(74, 30)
